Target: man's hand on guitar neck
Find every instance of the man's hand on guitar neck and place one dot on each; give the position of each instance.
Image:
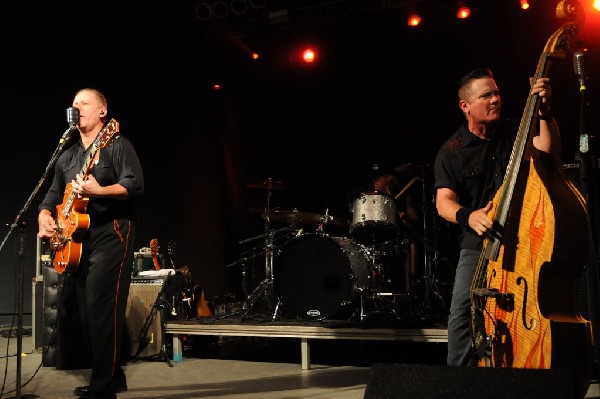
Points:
(46, 223)
(91, 188)
(85, 188)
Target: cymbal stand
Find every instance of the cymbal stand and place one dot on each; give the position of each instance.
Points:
(426, 253)
(429, 252)
(265, 287)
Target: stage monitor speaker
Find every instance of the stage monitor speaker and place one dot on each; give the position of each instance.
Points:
(396, 381)
(145, 316)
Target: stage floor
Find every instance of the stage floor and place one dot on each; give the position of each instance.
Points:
(237, 367)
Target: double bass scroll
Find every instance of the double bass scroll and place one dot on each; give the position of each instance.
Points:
(523, 294)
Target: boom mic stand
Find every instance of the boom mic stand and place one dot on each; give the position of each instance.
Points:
(21, 224)
(588, 175)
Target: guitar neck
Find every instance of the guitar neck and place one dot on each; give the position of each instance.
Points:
(101, 140)
(85, 170)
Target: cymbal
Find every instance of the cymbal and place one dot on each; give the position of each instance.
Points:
(262, 209)
(413, 169)
(268, 184)
(297, 217)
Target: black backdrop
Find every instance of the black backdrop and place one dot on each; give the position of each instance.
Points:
(380, 93)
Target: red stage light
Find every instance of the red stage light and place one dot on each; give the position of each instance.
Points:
(524, 4)
(463, 12)
(308, 55)
(414, 20)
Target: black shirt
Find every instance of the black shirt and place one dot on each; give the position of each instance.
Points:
(474, 169)
(117, 163)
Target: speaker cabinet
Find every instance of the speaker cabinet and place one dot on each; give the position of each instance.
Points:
(145, 316)
(395, 381)
(63, 344)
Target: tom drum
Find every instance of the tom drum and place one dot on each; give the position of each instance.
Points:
(373, 218)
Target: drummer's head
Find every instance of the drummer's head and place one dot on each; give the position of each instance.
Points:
(383, 178)
(380, 169)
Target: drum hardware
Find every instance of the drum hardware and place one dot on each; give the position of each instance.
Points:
(375, 303)
(431, 256)
(269, 185)
(264, 289)
(286, 229)
(361, 315)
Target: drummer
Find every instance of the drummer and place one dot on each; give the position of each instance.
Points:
(403, 186)
(399, 184)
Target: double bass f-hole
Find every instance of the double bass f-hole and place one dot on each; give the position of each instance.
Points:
(524, 312)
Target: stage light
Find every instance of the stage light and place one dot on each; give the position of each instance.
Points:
(596, 5)
(254, 56)
(463, 12)
(308, 55)
(203, 11)
(220, 9)
(238, 7)
(524, 4)
(258, 4)
(414, 20)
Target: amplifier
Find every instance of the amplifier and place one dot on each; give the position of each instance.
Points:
(144, 316)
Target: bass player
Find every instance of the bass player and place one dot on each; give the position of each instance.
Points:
(469, 169)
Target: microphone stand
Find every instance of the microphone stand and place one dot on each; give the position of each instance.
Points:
(21, 224)
(588, 175)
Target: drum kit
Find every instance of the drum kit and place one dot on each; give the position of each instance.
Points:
(315, 276)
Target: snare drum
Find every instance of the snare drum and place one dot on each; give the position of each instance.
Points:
(373, 218)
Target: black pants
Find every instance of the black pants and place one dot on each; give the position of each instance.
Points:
(102, 282)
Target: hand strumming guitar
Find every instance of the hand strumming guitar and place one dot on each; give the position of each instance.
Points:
(46, 224)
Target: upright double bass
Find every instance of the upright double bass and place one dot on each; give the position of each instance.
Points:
(523, 295)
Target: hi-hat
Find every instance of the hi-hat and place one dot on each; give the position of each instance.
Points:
(268, 184)
(297, 217)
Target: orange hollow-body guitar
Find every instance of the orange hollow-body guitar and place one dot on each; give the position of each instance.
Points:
(71, 219)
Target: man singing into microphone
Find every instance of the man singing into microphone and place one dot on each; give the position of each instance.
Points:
(112, 183)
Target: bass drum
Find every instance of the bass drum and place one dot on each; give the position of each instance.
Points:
(317, 277)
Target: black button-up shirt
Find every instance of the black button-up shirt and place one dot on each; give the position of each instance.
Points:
(118, 163)
(474, 169)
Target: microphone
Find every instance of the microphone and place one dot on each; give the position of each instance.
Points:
(73, 116)
(72, 120)
(580, 67)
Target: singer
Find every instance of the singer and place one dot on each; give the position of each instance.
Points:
(103, 275)
(469, 169)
